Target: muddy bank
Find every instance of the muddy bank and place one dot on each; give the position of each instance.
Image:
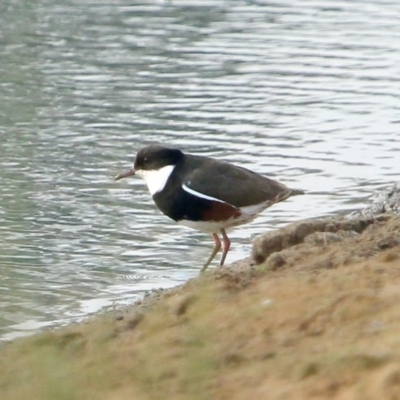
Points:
(314, 313)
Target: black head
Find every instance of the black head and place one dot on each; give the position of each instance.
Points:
(153, 158)
(156, 157)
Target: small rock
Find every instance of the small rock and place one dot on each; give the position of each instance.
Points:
(385, 201)
(388, 243)
(275, 261)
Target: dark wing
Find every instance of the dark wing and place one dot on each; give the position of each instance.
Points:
(235, 185)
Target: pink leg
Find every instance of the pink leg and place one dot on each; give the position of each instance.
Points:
(216, 249)
(226, 244)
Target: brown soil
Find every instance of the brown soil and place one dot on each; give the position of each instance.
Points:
(317, 318)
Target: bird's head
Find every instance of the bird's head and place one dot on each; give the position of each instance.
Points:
(154, 164)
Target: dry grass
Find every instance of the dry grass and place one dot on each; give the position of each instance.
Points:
(295, 333)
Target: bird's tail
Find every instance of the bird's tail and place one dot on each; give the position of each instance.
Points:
(296, 192)
(283, 195)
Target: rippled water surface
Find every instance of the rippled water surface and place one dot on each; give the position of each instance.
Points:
(305, 92)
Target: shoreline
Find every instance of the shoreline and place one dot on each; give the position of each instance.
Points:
(317, 317)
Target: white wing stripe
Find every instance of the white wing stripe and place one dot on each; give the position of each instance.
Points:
(198, 194)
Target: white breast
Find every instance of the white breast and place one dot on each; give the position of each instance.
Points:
(157, 178)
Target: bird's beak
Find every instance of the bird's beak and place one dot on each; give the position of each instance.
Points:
(125, 174)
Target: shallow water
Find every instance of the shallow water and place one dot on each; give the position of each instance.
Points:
(303, 92)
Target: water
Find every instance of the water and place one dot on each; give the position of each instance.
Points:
(306, 92)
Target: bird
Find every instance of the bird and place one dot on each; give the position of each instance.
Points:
(204, 193)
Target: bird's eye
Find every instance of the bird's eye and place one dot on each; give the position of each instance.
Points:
(145, 160)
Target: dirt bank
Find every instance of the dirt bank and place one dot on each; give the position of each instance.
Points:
(317, 318)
